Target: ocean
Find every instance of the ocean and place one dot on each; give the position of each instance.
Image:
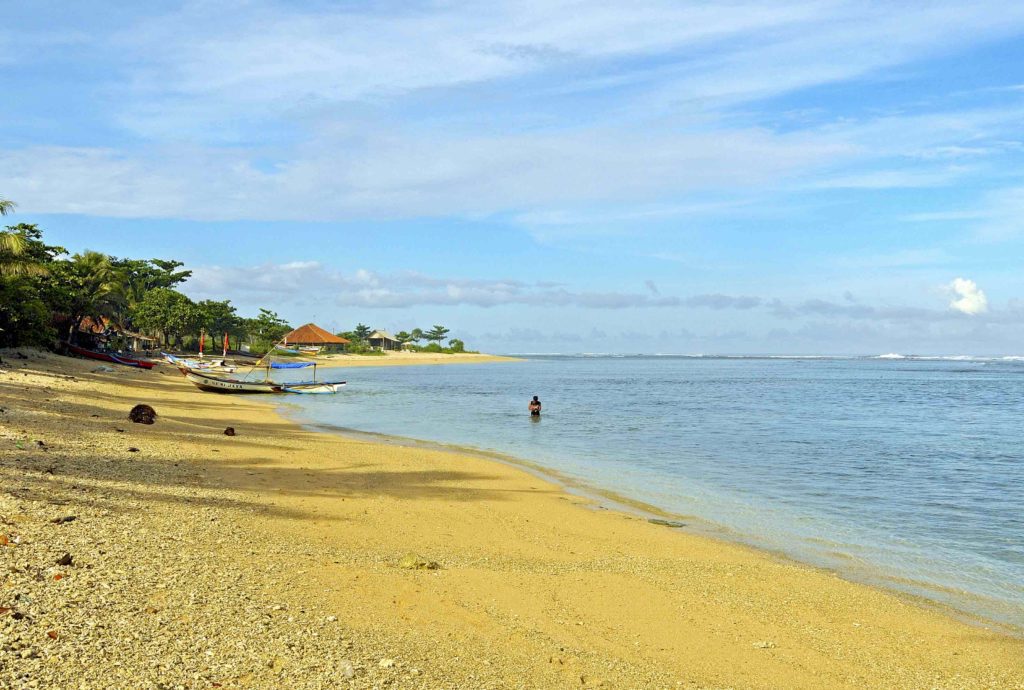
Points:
(906, 472)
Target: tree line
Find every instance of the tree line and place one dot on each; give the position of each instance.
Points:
(47, 294)
(360, 339)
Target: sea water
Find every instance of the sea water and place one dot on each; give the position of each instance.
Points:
(902, 471)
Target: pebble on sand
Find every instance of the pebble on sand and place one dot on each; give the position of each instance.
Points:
(412, 561)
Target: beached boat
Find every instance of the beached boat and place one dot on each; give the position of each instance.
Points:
(219, 384)
(111, 357)
(207, 381)
(199, 364)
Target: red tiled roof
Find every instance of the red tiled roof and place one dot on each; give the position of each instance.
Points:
(311, 334)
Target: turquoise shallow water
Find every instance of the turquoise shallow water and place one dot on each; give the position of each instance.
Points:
(905, 472)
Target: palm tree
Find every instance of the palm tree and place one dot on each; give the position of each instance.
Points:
(13, 262)
(13, 259)
(96, 288)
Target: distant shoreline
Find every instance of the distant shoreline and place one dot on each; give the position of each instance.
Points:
(399, 359)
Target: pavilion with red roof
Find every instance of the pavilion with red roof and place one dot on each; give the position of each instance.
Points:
(312, 335)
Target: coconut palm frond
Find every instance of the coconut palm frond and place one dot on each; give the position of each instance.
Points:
(6, 207)
(12, 243)
(19, 268)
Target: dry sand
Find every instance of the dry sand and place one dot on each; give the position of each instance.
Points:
(272, 559)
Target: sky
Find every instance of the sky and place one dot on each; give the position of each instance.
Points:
(814, 177)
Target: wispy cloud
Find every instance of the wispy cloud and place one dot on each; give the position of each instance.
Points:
(311, 280)
(365, 288)
(339, 112)
(995, 217)
(893, 179)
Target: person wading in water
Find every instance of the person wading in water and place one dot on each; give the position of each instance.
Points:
(535, 407)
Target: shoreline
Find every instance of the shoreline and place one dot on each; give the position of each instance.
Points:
(299, 536)
(909, 589)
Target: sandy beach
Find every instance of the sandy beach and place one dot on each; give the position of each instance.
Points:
(174, 556)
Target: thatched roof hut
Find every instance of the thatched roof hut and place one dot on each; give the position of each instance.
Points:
(382, 340)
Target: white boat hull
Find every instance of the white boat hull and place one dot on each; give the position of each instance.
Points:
(221, 385)
(217, 384)
(313, 388)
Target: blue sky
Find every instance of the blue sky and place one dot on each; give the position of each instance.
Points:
(741, 177)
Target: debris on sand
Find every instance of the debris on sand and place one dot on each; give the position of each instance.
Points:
(412, 561)
(142, 414)
(230, 431)
(666, 523)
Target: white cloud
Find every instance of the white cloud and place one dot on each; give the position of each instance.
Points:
(313, 282)
(969, 297)
(348, 112)
(894, 179)
(265, 56)
(399, 174)
(310, 280)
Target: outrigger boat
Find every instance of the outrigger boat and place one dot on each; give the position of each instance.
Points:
(219, 384)
(111, 357)
(203, 365)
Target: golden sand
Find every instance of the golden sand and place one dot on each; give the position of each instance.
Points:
(536, 588)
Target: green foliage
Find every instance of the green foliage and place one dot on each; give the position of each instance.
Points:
(362, 332)
(455, 347)
(24, 317)
(6, 207)
(140, 276)
(87, 285)
(219, 318)
(22, 252)
(436, 334)
(26, 292)
(265, 330)
(44, 296)
(167, 312)
(362, 348)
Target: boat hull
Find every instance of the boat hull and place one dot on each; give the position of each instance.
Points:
(220, 385)
(217, 384)
(110, 357)
(214, 365)
(314, 388)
